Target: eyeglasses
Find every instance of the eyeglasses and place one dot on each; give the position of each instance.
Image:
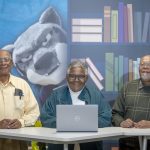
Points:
(5, 59)
(74, 77)
(145, 64)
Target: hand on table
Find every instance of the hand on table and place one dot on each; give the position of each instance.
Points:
(10, 124)
(128, 123)
(142, 124)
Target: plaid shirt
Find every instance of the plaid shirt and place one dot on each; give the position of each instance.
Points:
(133, 102)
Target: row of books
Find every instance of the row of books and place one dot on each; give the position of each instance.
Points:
(126, 25)
(122, 25)
(119, 70)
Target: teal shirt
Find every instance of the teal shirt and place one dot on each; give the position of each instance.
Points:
(90, 94)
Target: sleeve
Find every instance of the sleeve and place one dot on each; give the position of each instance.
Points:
(104, 112)
(118, 109)
(48, 113)
(31, 108)
(104, 109)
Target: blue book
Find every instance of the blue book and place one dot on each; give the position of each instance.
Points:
(121, 22)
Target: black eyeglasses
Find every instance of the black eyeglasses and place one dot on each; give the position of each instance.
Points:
(74, 77)
(5, 59)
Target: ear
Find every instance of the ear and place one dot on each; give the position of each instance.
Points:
(50, 16)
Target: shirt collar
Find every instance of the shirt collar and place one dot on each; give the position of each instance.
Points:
(12, 80)
(140, 84)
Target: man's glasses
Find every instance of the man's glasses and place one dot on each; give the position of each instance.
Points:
(145, 64)
(5, 59)
(74, 77)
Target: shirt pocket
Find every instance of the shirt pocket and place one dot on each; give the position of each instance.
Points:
(19, 103)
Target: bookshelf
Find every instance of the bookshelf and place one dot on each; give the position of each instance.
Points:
(108, 55)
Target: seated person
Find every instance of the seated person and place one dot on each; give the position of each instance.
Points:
(76, 93)
(132, 107)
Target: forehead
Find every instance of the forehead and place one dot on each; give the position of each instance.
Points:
(77, 70)
(145, 59)
(4, 54)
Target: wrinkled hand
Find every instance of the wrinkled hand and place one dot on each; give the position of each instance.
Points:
(14, 124)
(142, 124)
(10, 124)
(128, 123)
(4, 123)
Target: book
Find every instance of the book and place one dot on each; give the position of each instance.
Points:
(86, 29)
(116, 73)
(130, 70)
(126, 39)
(120, 75)
(114, 26)
(145, 26)
(130, 22)
(121, 22)
(125, 69)
(95, 80)
(109, 71)
(77, 37)
(137, 26)
(87, 21)
(107, 14)
(94, 69)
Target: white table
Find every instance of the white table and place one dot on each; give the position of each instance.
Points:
(49, 135)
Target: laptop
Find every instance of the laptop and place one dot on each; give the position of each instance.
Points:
(77, 118)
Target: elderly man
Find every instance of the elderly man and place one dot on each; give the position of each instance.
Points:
(18, 106)
(132, 107)
(76, 93)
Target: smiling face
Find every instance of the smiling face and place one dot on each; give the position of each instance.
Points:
(5, 63)
(144, 70)
(76, 78)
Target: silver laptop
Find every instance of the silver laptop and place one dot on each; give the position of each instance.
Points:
(77, 118)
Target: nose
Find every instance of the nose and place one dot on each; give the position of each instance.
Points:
(76, 78)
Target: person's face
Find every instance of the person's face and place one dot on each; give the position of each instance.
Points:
(144, 69)
(5, 63)
(76, 79)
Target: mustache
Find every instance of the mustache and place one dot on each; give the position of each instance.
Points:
(145, 76)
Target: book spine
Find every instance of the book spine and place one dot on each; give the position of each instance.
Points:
(126, 39)
(130, 22)
(94, 69)
(120, 75)
(87, 21)
(116, 78)
(121, 22)
(107, 13)
(145, 27)
(137, 26)
(109, 71)
(95, 80)
(77, 37)
(114, 26)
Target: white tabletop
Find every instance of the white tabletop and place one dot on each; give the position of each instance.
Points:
(49, 135)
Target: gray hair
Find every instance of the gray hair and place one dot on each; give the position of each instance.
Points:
(78, 63)
(9, 53)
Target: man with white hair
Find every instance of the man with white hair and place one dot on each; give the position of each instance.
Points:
(77, 92)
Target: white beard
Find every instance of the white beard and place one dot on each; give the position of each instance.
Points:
(145, 76)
